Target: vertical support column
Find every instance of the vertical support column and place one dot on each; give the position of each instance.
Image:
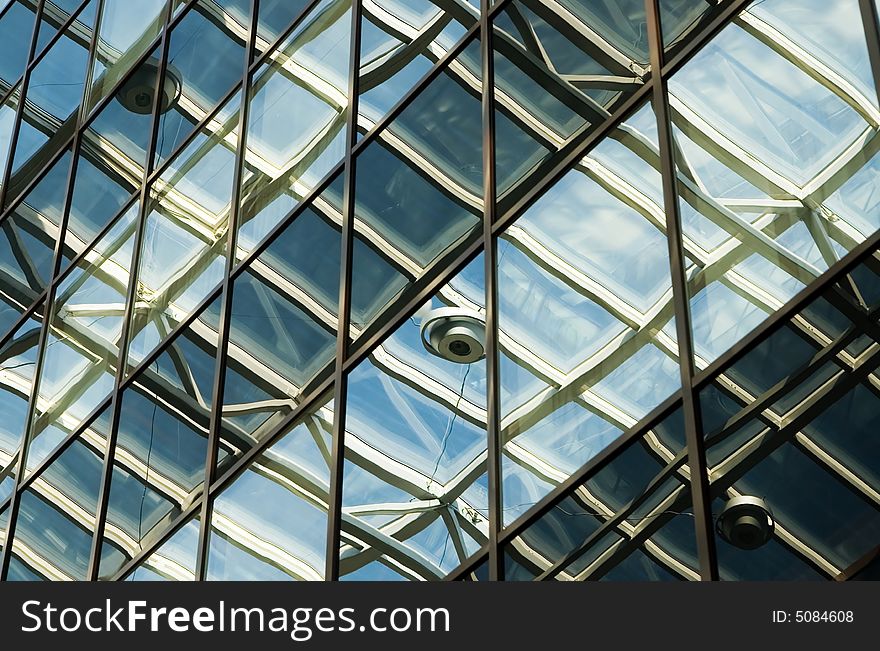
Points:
(131, 296)
(702, 499)
(490, 248)
(48, 305)
(340, 378)
(16, 124)
(216, 418)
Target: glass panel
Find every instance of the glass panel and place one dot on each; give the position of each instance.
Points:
(18, 357)
(159, 462)
(414, 502)
(296, 124)
(555, 75)
(56, 12)
(275, 16)
(7, 126)
(16, 27)
(681, 19)
(586, 324)
(271, 522)
(175, 560)
(56, 517)
(54, 95)
(400, 42)
(793, 424)
(184, 244)
(27, 239)
(195, 83)
(418, 190)
(775, 160)
(123, 36)
(630, 521)
(282, 336)
(82, 345)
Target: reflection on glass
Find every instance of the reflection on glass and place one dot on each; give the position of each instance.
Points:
(201, 81)
(585, 314)
(185, 235)
(414, 500)
(793, 422)
(271, 522)
(28, 236)
(775, 161)
(175, 560)
(282, 329)
(400, 42)
(630, 521)
(159, 462)
(18, 357)
(82, 344)
(553, 79)
(418, 189)
(53, 96)
(57, 12)
(123, 36)
(16, 27)
(296, 125)
(56, 516)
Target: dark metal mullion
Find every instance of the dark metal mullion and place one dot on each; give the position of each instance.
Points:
(693, 419)
(131, 296)
(490, 257)
(217, 393)
(340, 378)
(48, 307)
(872, 37)
(16, 123)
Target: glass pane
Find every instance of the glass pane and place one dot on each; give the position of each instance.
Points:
(418, 190)
(159, 462)
(56, 12)
(554, 75)
(271, 522)
(175, 560)
(630, 521)
(53, 97)
(28, 235)
(16, 27)
(587, 334)
(82, 345)
(184, 244)
(400, 42)
(18, 357)
(56, 517)
(282, 330)
(792, 425)
(195, 83)
(296, 124)
(123, 36)
(414, 500)
(775, 162)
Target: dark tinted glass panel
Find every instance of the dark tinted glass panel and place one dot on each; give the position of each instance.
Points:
(630, 521)
(792, 424)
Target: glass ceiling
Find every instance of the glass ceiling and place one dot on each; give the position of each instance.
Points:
(184, 281)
